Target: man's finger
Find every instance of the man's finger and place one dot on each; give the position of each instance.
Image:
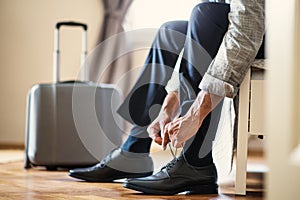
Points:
(154, 134)
(158, 140)
(151, 132)
(163, 135)
(165, 141)
(162, 125)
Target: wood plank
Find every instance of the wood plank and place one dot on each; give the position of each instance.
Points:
(37, 183)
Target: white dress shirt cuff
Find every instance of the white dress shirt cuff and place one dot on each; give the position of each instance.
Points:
(218, 87)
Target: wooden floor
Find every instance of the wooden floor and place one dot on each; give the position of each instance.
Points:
(37, 183)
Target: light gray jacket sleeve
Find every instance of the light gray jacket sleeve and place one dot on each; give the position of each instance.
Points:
(238, 49)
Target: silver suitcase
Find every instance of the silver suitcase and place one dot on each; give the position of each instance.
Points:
(71, 124)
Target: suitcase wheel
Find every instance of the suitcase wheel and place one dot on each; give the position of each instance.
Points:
(51, 168)
(27, 164)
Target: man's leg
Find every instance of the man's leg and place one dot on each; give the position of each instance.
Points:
(142, 105)
(194, 170)
(133, 159)
(207, 26)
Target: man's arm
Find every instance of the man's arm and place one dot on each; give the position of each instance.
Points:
(226, 72)
(168, 112)
(183, 128)
(238, 49)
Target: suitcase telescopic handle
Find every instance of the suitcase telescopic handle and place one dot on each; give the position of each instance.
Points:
(56, 57)
(71, 23)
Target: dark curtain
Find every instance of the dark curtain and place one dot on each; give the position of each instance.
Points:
(99, 70)
(221, 1)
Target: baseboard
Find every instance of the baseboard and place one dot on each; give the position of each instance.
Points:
(12, 146)
(256, 153)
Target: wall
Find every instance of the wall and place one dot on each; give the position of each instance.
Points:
(282, 100)
(141, 16)
(27, 46)
(26, 51)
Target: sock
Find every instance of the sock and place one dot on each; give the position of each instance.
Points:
(138, 141)
(198, 149)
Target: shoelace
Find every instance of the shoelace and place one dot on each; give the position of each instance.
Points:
(172, 163)
(174, 154)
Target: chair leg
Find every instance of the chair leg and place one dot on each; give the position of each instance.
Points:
(242, 139)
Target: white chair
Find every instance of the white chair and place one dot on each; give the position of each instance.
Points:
(244, 128)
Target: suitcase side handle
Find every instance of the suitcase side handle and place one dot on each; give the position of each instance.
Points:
(74, 82)
(56, 53)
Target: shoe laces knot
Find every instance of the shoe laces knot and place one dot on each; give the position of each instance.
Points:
(173, 162)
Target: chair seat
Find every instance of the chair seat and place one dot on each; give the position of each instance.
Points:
(257, 73)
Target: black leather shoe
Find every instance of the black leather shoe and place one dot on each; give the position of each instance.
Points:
(176, 177)
(116, 165)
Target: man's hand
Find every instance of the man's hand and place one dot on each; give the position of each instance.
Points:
(182, 129)
(156, 130)
(167, 113)
(185, 127)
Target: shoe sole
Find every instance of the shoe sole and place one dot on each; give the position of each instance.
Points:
(195, 189)
(109, 180)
